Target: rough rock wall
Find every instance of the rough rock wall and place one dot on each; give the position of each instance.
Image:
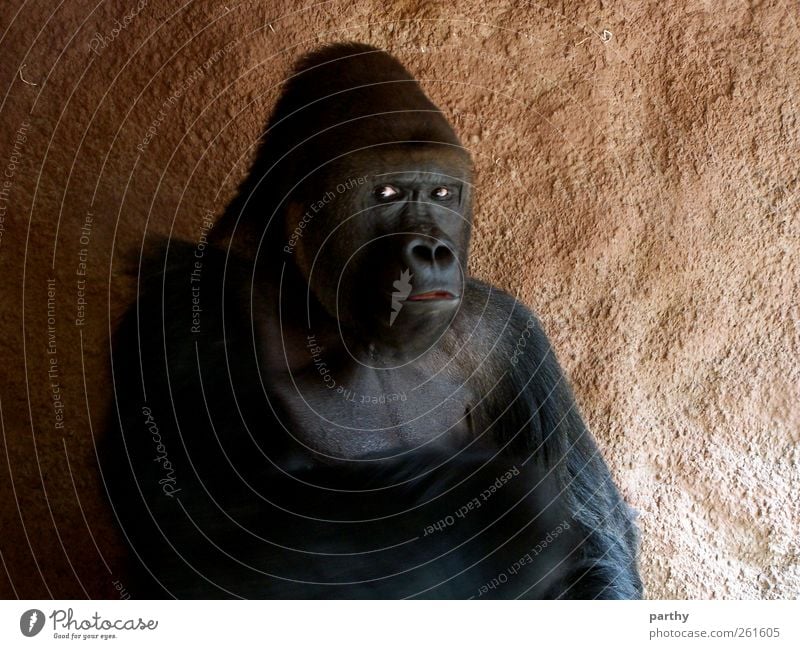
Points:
(637, 186)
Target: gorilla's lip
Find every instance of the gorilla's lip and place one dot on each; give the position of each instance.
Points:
(438, 294)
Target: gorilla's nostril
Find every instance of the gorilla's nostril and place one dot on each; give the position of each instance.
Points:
(421, 252)
(428, 253)
(443, 255)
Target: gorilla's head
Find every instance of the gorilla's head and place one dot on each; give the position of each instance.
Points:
(382, 240)
(373, 191)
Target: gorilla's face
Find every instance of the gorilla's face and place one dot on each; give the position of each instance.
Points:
(384, 245)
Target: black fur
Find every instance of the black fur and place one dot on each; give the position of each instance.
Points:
(246, 419)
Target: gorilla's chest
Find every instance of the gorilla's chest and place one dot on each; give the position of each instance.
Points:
(348, 412)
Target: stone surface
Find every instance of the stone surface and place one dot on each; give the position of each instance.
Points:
(637, 186)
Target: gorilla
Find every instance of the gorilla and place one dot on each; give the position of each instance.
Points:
(317, 400)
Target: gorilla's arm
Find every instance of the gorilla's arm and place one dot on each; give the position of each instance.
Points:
(532, 409)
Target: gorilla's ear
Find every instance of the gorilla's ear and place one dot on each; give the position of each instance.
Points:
(294, 211)
(465, 199)
(464, 195)
(291, 219)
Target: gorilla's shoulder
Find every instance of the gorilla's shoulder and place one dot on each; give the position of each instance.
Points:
(493, 310)
(493, 323)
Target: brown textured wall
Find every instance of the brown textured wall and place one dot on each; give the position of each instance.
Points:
(637, 186)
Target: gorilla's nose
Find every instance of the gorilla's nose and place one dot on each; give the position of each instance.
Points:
(430, 258)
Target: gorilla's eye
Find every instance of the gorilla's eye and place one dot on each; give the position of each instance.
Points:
(440, 193)
(386, 192)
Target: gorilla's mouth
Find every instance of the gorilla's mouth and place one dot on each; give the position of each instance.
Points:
(431, 296)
